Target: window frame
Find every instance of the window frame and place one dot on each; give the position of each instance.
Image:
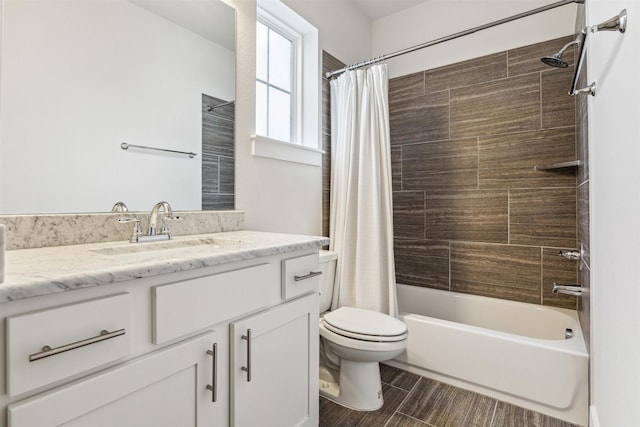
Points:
(273, 24)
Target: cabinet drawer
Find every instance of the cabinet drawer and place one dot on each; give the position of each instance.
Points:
(53, 344)
(300, 275)
(164, 388)
(188, 306)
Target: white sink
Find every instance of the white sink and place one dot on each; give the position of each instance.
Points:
(134, 248)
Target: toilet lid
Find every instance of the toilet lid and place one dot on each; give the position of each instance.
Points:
(361, 323)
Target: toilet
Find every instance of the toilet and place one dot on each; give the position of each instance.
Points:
(352, 343)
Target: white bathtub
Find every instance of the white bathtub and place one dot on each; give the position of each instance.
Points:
(512, 351)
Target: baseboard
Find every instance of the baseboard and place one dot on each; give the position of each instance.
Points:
(593, 417)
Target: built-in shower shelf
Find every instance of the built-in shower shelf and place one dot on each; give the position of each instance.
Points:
(558, 166)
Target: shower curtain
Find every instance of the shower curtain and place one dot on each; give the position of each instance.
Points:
(361, 221)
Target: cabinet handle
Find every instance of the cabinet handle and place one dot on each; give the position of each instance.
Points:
(247, 368)
(307, 276)
(214, 373)
(48, 351)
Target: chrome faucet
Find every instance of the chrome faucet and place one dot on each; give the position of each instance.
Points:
(152, 234)
(576, 290)
(153, 220)
(572, 255)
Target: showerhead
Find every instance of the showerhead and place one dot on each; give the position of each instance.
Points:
(556, 60)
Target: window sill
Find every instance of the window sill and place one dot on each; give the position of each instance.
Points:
(288, 152)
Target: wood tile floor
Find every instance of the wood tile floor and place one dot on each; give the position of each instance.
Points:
(414, 401)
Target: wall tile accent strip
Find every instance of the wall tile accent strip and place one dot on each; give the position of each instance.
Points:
(471, 214)
(218, 154)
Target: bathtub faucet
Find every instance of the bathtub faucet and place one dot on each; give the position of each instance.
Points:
(576, 290)
(573, 255)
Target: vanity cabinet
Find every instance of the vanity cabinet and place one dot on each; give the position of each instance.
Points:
(158, 389)
(182, 360)
(271, 383)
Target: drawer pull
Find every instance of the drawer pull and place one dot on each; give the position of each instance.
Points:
(48, 351)
(247, 368)
(307, 276)
(214, 373)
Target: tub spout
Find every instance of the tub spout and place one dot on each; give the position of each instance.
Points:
(576, 290)
(573, 255)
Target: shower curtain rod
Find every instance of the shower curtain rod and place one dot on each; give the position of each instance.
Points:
(453, 36)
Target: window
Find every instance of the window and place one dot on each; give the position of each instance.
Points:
(276, 80)
(287, 105)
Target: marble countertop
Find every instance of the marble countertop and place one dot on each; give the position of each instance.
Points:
(43, 271)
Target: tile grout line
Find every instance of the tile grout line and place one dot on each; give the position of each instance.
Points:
(541, 275)
(449, 114)
(397, 411)
(493, 416)
(541, 112)
(426, 424)
(509, 216)
(449, 265)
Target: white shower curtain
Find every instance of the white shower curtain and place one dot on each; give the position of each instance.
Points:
(361, 223)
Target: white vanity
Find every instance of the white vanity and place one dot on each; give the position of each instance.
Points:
(218, 330)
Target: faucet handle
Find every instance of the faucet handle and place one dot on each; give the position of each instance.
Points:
(165, 227)
(137, 229)
(119, 207)
(126, 219)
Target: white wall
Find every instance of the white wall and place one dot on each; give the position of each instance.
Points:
(614, 117)
(440, 18)
(276, 195)
(344, 30)
(78, 78)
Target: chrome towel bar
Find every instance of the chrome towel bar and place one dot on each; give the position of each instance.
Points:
(126, 146)
(48, 351)
(617, 23)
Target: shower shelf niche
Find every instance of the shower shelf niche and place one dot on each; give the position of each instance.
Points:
(558, 166)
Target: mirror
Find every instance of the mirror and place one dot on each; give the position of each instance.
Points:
(80, 77)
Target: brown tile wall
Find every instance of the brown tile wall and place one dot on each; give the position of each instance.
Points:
(218, 154)
(582, 142)
(471, 214)
(329, 63)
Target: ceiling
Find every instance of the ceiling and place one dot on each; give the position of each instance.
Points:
(375, 9)
(211, 19)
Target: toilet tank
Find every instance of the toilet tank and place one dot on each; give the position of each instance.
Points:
(328, 261)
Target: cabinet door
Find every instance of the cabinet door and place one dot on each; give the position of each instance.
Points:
(274, 366)
(165, 388)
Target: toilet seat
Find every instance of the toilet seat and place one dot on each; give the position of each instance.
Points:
(365, 325)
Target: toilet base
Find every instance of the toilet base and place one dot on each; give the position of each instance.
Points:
(359, 386)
